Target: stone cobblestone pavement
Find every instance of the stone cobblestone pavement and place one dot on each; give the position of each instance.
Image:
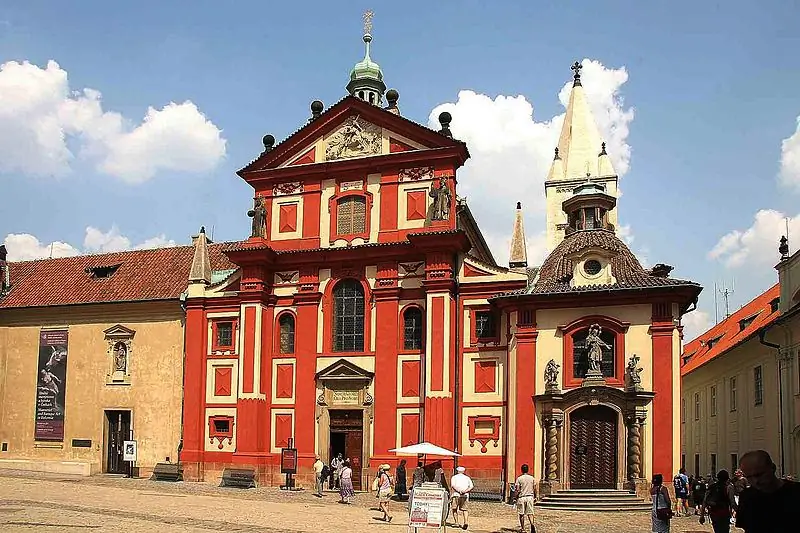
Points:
(41, 502)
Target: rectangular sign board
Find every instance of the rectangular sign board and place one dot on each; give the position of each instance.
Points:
(288, 460)
(51, 385)
(427, 507)
(129, 449)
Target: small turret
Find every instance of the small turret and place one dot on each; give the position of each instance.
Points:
(588, 208)
(366, 78)
(518, 258)
(200, 273)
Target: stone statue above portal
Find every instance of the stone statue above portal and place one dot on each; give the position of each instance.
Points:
(595, 345)
(259, 215)
(551, 375)
(633, 371)
(441, 200)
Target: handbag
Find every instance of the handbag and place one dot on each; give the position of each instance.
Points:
(662, 513)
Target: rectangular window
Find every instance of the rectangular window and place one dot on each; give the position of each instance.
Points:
(697, 406)
(713, 400)
(223, 335)
(697, 465)
(683, 410)
(683, 461)
(351, 216)
(734, 462)
(758, 386)
(732, 387)
(714, 464)
(485, 325)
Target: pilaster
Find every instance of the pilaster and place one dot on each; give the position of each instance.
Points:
(194, 385)
(386, 294)
(307, 301)
(661, 332)
(525, 381)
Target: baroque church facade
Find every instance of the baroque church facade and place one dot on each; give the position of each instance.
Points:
(366, 312)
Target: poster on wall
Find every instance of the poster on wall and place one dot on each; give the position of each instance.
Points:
(51, 384)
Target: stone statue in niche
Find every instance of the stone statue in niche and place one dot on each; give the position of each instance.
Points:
(634, 379)
(441, 200)
(259, 215)
(120, 357)
(596, 345)
(354, 139)
(551, 375)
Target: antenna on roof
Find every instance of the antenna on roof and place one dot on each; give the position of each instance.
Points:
(716, 305)
(51, 249)
(726, 293)
(212, 232)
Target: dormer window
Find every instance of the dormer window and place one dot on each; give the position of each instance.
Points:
(102, 272)
(592, 267)
(773, 304)
(745, 322)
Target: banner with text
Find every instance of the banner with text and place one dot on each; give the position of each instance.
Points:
(51, 385)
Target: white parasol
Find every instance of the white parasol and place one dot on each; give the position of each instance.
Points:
(424, 448)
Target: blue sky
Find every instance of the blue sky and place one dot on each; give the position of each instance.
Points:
(713, 87)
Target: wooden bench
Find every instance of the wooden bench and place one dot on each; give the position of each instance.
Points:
(168, 472)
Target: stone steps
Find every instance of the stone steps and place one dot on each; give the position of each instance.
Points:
(598, 500)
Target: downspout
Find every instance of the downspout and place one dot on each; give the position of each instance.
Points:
(183, 373)
(459, 360)
(761, 334)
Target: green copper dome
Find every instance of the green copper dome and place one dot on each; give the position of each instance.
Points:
(367, 75)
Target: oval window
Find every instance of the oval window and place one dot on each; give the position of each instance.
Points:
(592, 267)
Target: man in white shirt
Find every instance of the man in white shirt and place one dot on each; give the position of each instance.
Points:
(460, 487)
(525, 489)
(318, 466)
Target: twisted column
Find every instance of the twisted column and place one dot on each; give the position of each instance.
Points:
(634, 448)
(551, 450)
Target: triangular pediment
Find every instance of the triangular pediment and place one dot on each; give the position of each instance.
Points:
(351, 128)
(344, 370)
(119, 332)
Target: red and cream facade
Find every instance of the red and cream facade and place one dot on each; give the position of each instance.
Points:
(367, 313)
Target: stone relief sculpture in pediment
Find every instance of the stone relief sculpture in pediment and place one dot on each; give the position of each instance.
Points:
(354, 138)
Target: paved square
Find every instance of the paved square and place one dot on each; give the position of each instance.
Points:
(38, 502)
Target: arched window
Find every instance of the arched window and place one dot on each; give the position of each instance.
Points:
(348, 316)
(580, 354)
(286, 326)
(412, 329)
(351, 215)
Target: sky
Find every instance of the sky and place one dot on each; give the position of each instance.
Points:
(122, 126)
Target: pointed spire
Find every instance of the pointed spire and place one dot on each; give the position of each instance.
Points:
(366, 78)
(580, 139)
(201, 262)
(519, 253)
(604, 166)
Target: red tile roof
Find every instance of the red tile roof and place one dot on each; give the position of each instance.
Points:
(729, 333)
(157, 274)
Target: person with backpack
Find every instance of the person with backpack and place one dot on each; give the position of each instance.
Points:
(719, 503)
(681, 484)
(699, 493)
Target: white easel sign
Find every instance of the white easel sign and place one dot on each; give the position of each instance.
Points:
(129, 451)
(427, 507)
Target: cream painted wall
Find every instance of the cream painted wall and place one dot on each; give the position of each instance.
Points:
(153, 396)
(749, 427)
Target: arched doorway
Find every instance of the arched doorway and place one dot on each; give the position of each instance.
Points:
(593, 448)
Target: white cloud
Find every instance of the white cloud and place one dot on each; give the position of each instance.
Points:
(695, 324)
(758, 244)
(511, 151)
(26, 247)
(40, 114)
(790, 159)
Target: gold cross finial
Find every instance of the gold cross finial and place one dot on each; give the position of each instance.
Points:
(368, 21)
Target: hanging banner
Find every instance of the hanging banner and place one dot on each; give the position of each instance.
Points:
(51, 384)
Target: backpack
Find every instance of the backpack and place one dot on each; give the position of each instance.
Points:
(718, 502)
(376, 483)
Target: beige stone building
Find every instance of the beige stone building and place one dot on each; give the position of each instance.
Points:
(91, 355)
(740, 383)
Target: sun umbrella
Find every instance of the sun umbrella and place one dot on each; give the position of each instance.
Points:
(424, 448)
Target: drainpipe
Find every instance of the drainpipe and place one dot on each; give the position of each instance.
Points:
(761, 334)
(182, 302)
(458, 361)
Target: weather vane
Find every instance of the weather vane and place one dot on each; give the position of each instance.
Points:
(368, 21)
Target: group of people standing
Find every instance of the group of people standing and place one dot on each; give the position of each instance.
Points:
(755, 500)
(339, 475)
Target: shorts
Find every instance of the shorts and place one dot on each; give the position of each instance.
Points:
(525, 505)
(459, 503)
(681, 495)
(384, 496)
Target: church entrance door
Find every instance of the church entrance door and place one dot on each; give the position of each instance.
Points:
(593, 448)
(347, 437)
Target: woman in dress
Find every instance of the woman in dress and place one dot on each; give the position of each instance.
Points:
(400, 479)
(346, 483)
(662, 507)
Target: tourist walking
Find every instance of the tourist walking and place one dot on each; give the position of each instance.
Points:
(525, 491)
(681, 484)
(400, 479)
(318, 466)
(698, 493)
(769, 504)
(336, 465)
(346, 491)
(719, 503)
(662, 507)
(460, 487)
(384, 493)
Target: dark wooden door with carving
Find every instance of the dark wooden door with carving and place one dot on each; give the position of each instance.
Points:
(593, 448)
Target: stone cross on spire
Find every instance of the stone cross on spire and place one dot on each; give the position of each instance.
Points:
(577, 77)
(368, 21)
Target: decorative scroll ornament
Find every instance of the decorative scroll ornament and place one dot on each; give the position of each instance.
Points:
(410, 269)
(291, 187)
(321, 397)
(259, 216)
(551, 375)
(354, 139)
(287, 277)
(415, 174)
(368, 398)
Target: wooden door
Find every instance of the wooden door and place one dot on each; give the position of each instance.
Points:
(593, 448)
(119, 427)
(353, 447)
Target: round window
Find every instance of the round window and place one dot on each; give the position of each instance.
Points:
(592, 267)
